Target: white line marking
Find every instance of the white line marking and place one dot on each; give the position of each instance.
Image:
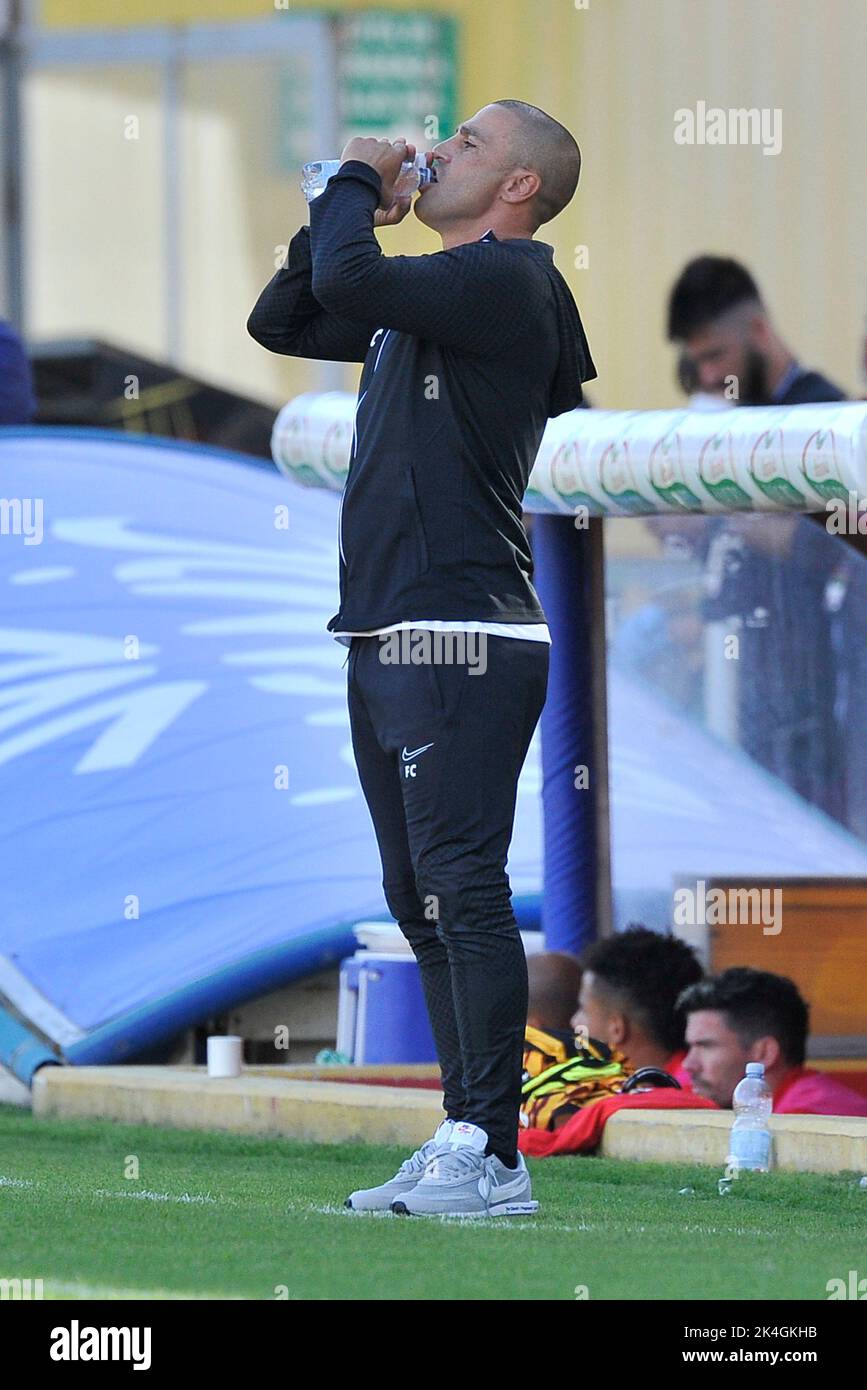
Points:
(59, 1288)
(184, 1197)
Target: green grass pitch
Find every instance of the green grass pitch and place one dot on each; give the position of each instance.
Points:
(220, 1215)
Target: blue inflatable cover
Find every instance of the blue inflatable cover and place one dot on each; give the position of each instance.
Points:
(182, 824)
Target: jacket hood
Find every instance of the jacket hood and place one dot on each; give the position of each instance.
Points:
(575, 365)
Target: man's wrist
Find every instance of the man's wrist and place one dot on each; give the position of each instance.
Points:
(364, 173)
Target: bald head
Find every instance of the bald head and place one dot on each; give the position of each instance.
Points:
(540, 143)
(554, 979)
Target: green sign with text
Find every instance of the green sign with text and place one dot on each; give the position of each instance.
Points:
(396, 75)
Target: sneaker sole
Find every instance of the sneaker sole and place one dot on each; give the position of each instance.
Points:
(387, 1206)
(500, 1209)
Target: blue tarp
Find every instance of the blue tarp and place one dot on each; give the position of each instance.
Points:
(182, 824)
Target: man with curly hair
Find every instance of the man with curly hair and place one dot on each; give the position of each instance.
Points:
(629, 991)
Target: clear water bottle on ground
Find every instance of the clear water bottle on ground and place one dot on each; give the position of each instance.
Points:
(414, 174)
(750, 1141)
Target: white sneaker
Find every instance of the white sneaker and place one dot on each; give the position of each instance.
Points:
(461, 1181)
(406, 1177)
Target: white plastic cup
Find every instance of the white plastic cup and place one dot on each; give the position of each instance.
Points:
(224, 1056)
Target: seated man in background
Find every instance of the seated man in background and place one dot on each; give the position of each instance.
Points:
(629, 991)
(17, 402)
(728, 344)
(746, 1015)
(564, 1069)
(554, 979)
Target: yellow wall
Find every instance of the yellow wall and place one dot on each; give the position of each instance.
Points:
(73, 14)
(615, 74)
(94, 262)
(78, 14)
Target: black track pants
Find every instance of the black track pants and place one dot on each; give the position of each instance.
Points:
(439, 748)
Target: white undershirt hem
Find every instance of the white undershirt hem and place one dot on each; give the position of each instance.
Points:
(527, 632)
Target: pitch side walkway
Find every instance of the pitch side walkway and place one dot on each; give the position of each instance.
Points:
(401, 1105)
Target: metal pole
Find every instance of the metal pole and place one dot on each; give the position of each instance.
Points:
(569, 579)
(172, 202)
(11, 250)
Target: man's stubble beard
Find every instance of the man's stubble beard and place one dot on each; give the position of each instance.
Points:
(754, 387)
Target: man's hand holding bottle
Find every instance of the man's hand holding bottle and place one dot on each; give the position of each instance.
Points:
(387, 157)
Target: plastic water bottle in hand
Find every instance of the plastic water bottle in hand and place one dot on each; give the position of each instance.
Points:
(750, 1142)
(414, 174)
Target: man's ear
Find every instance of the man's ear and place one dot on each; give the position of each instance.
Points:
(522, 185)
(766, 1050)
(617, 1030)
(760, 334)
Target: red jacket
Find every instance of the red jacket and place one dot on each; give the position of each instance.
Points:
(804, 1091)
(674, 1065)
(583, 1132)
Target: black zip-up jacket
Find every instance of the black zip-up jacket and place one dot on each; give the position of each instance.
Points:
(466, 353)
